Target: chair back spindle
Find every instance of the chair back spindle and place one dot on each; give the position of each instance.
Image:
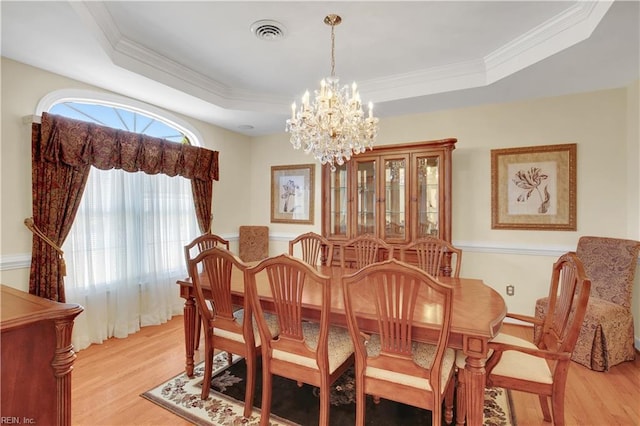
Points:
(433, 255)
(313, 248)
(366, 249)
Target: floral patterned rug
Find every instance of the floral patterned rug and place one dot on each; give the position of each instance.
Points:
(181, 396)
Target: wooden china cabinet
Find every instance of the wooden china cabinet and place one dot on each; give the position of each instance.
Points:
(396, 192)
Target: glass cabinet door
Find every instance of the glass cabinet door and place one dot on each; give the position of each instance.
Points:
(396, 192)
(396, 186)
(428, 196)
(338, 199)
(366, 198)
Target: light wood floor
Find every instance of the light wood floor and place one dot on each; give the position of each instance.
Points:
(108, 379)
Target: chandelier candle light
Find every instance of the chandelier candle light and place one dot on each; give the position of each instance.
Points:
(333, 127)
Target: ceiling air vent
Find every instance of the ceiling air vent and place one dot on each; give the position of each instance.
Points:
(268, 30)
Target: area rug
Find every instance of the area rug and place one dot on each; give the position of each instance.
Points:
(293, 405)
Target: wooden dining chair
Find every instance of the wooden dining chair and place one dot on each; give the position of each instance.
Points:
(434, 256)
(191, 250)
(389, 364)
(203, 242)
(313, 248)
(316, 353)
(364, 250)
(540, 367)
(226, 328)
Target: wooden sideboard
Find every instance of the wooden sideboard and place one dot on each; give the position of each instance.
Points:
(37, 359)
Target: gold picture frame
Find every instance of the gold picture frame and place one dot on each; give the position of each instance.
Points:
(292, 194)
(534, 188)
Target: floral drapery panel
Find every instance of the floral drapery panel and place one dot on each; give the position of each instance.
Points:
(56, 190)
(63, 151)
(202, 196)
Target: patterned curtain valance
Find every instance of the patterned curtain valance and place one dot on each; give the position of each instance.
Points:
(79, 143)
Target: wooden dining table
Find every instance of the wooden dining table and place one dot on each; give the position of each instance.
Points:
(478, 312)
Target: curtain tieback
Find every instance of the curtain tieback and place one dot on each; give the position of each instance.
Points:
(28, 222)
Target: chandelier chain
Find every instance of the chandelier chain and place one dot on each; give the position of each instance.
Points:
(333, 50)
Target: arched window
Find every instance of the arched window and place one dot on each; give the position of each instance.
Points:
(124, 252)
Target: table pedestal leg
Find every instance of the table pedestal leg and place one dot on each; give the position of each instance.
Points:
(461, 402)
(475, 379)
(189, 333)
(475, 382)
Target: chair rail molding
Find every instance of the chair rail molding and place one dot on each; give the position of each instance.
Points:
(23, 260)
(15, 261)
(497, 248)
(474, 246)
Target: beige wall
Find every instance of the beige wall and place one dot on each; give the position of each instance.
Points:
(604, 124)
(601, 123)
(22, 88)
(633, 197)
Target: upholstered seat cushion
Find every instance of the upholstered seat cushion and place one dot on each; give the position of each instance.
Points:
(520, 365)
(272, 323)
(514, 363)
(339, 342)
(423, 355)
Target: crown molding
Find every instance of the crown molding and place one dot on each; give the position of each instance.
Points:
(445, 78)
(556, 34)
(141, 60)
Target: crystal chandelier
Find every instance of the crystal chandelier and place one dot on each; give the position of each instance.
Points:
(333, 127)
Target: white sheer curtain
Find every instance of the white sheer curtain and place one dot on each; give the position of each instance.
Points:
(125, 252)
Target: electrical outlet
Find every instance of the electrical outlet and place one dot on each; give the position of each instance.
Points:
(510, 290)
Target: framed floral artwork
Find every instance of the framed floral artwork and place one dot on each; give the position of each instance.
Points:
(292, 194)
(534, 188)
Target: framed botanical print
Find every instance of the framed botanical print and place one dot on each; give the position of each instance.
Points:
(534, 188)
(292, 194)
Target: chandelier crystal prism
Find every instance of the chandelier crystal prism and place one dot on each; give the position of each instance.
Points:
(333, 126)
